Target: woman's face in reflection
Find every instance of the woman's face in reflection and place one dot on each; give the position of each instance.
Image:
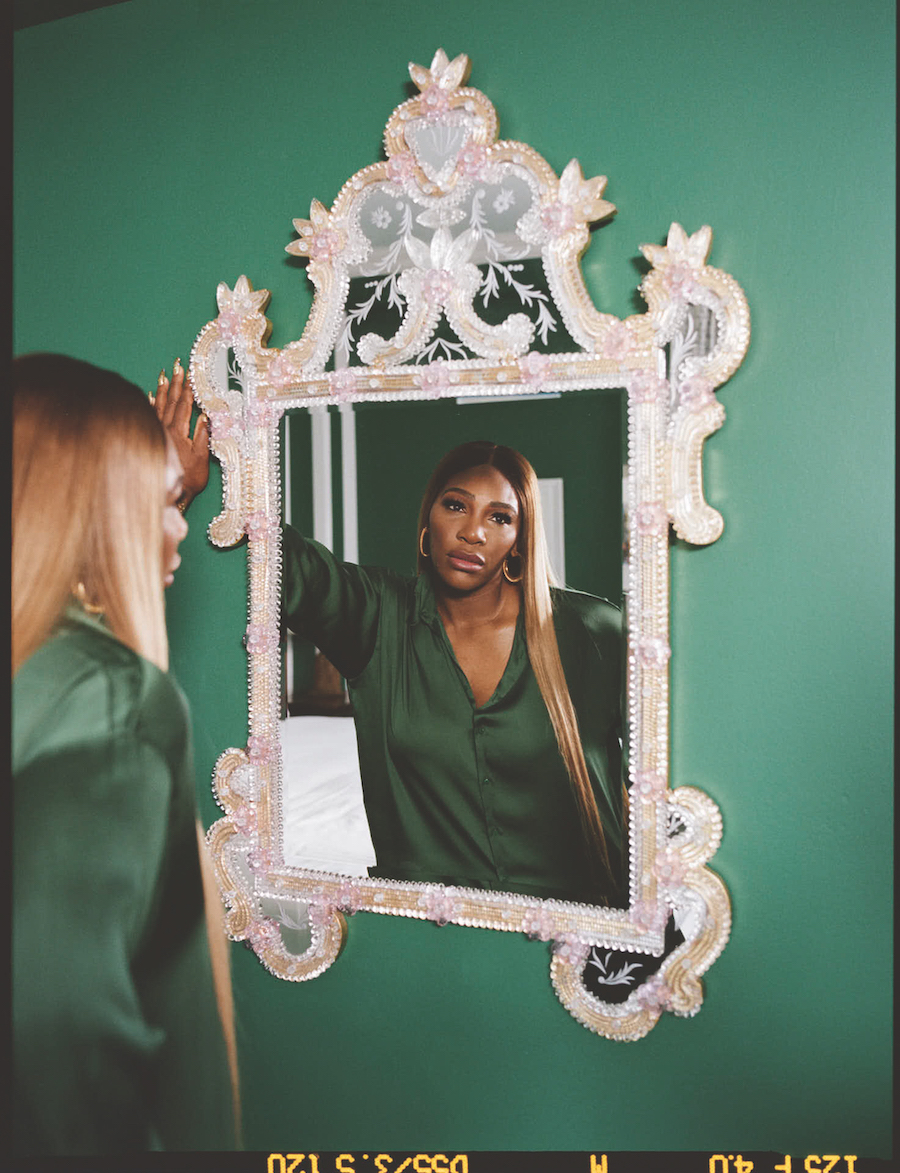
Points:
(174, 526)
(472, 527)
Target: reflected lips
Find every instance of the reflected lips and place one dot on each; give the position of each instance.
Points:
(463, 560)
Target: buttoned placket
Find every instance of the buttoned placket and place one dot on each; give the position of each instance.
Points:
(481, 719)
(486, 788)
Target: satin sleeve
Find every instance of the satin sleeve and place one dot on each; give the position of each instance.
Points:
(117, 1041)
(335, 604)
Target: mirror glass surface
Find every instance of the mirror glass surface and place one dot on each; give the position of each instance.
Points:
(576, 440)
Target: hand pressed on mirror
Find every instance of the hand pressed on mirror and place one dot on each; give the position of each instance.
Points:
(173, 403)
(465, 684)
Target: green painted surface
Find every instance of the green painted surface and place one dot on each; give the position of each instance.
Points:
(163, 147)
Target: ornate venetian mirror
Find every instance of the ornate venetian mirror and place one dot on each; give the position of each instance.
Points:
(407, 266)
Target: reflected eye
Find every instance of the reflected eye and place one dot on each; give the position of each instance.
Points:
(453, 504)
(502, 518)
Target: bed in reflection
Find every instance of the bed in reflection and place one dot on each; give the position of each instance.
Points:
(325, 825)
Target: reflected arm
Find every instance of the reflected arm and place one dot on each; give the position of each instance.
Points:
(335, 604)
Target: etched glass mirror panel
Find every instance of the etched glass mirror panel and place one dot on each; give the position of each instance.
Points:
(408, 265)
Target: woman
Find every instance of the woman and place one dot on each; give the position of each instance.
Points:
(486, 701)
(119, 1044)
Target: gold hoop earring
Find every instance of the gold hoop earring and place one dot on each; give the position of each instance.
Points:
(422, 549)
(80, 594)
(507, 575)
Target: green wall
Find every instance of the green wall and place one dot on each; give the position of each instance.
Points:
(163, 146)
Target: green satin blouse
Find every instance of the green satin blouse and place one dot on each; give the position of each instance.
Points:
(117, 1042)
(456, 794)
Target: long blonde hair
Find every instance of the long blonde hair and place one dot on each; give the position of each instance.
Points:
(89, 483)
(89, 466)
(540, 634)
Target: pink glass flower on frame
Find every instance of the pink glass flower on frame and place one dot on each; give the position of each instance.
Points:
(259, 860)
(264, 933)
(668, 868)
(259, 525)
(348, 897)
(538, 923)
(244, 819)
(696, 392)
(472, 159)
(654, 994)
(649, 786)
(260, 637)
(318, 239)
(557, 218)
(434, 379)
(401, 166)
(437, 285)
(617, 342)
(229, 324)
(679, 279)
(570, 949)
(646, 387)
(320, 912)
(534, 368)
(654, 653)
(651, 517)
(281, 370)
(259, 749)
(223, 425)
(649, 915)
(325, 245)
(440, 906)
(342, 383)
(434, 101)
(260, 413)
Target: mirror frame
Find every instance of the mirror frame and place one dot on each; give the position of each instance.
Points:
(673, 833)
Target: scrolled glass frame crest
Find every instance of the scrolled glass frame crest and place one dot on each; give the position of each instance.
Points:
(438, 144)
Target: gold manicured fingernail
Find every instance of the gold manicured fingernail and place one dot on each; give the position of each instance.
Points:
(161, 381)
(177, 369)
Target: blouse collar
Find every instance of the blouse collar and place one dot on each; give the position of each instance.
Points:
(423, 605)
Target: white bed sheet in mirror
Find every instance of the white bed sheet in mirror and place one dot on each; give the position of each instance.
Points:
(324, 820)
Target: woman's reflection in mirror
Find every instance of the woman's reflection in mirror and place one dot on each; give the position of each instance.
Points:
(487, 699)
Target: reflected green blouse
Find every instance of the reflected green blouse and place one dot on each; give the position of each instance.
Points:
(474, 797)
(116, 1038)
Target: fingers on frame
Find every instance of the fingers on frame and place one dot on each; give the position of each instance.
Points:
(160, 399)
(174, 394)
(201, 432)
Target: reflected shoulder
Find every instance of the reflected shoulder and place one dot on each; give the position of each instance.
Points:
(591, 609)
